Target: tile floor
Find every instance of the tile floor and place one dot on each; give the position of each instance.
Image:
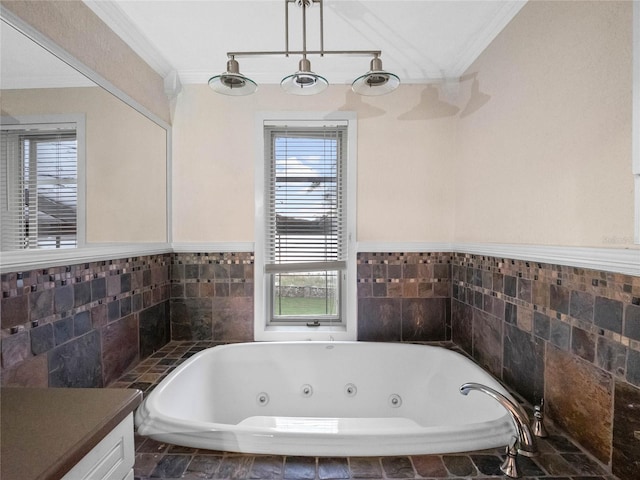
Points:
(559, 458)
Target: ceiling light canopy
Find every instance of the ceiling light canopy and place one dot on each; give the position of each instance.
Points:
(305, 82)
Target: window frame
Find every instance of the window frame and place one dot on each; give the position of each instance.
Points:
(347, 329)
(78, 123)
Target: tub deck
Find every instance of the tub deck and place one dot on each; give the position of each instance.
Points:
(161, 461)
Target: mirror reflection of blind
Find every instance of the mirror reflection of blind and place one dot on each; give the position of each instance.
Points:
(39, 188)
(305, 224)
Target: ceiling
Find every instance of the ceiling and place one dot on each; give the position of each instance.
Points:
(421, 40)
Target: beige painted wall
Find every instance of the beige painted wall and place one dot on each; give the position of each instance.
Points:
(404, 162)
(547, 160)
(125, 155)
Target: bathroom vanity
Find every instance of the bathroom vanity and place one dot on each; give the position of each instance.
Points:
(67, 433)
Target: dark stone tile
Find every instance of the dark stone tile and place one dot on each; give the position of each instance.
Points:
(113, 311)
(459, 465)
(191, 271)
(524, 363)
(487, 341)
(632, 321)
(300, 468)
(98, 289)
(429, 466)
(498, 282)
(232, 319)
(626, 424)
(113, 285)
(561, 444)
(583, 464)
(559, 298)
(40, 305)
(82, 323)
(42, 339)
(76, 363)
(510, 286)
(529, 468)
(234, 467)
(524, 290)
(205, 466)
(154, 329)
(267, 467)
(15, 349)
(611, 356)
(63, 330)
(462, 325)
(633, 367)
(379, 319)
(555, 465)
(81, 294)
(28, 372)
(63, 299)
(191, 319)
(424, 319)
(14, 311)
(125, 283)
(119, 347)
(583, 344)
(541, 325)
(560, 334)
(579, 400)
(608, 314)
(397, 467)
(221, 271)
(487, 464)
(171, 466)
(99, 316)
(510, 313)
(125, 306)
(365, 467)
(333, 468)
(581, 305)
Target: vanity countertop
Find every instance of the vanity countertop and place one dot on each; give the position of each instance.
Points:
(46, 431)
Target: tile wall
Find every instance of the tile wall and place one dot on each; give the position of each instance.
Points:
(83, 325)
(570, 335)
(567, 334)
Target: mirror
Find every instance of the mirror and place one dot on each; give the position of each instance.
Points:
(125, 152)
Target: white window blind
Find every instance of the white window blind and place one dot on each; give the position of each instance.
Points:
(306, 227)
(39, 187)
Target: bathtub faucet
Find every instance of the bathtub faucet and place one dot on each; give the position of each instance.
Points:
(526, 443)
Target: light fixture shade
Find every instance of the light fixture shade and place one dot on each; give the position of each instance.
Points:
(232, 82)
(304, 81)
(376, 81)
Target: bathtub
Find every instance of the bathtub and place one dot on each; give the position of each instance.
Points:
(326, 399)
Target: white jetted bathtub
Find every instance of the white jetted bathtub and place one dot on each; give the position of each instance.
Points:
(326, 399)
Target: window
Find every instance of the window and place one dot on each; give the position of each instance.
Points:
(39, 186)
(305, 228)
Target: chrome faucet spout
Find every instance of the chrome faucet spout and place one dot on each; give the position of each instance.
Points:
(526, 440)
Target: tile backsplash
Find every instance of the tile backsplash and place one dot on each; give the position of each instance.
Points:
(83, 325)
(570, 335)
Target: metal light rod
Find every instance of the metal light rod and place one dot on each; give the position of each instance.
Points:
(308, 52)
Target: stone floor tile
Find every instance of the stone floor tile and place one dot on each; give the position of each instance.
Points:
(300, 468)
(555, 465)
(583, 464)
(202, 466)
(145, 464)
(171, 466)
(487, 464)
(333, 468)
(267, 467)
(398, 467)
(150, 445)
(429, 466)
(234, 467)
(365, 467)
(459, 465)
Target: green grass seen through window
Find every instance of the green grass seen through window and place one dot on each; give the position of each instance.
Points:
(303, 306)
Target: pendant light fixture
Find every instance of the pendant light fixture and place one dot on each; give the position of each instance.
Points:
(304, 81)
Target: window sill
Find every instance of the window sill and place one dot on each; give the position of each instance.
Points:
(301, 333)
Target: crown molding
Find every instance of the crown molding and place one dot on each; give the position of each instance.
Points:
(112, 15)
(506, 13)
